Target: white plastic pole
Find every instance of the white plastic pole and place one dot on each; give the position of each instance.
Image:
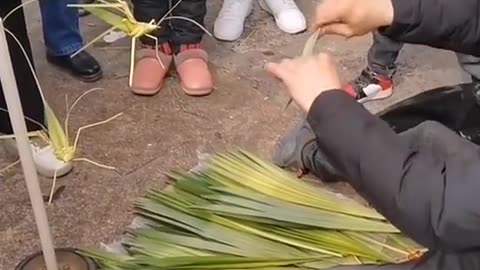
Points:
(12, 98)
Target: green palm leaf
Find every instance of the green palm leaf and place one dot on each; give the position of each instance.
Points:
(240, 212)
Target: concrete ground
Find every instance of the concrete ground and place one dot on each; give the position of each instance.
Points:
(166, 132)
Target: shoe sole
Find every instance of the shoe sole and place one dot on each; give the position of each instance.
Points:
(148, 93)
(197, 92)
(380, 96)
(220, 38)
(88, 79)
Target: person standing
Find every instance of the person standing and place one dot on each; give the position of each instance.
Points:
(231, 18)
(62, 38)
(178, 42)
(32, 103)
(375, 82)
(425, 181)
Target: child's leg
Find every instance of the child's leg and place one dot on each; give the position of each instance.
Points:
(375, 82)
(155, 57)
(184, 31)
(190, 59)
(147, 10)
(383, 54)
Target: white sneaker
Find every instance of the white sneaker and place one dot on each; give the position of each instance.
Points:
(230, 21)
(287, 15)
(44, 158)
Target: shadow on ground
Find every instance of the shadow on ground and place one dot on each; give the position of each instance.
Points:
(165, 132)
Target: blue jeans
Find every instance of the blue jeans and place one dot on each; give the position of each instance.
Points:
(60, 27)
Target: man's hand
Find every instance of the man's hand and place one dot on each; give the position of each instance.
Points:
(350, 18)
(306, 77)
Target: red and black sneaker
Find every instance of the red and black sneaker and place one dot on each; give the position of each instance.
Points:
(370, 86)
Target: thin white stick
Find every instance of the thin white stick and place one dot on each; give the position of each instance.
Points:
(169, 11)
(69, 111)
(17, 8)
(14, 106)
(190, 20)
(93, 41)
(30, 65)
(157, 54)
(12, 136)
(44, 128)
(54, 183)
(132, 61)
(95, 163)
(10, 166)
(66, 103)
(75, 144)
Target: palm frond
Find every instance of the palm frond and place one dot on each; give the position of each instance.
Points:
(240, 212)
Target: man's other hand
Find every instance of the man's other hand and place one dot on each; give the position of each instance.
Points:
(306, 77)
(350, 18)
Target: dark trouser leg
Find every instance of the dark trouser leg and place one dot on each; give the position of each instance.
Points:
(29, 93)
(436, 260)
(145, 11)
(61, 28)
(186, 32)
(382, 55)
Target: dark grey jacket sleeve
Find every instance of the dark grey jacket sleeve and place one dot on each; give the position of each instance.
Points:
(447, 24)
(434, 201)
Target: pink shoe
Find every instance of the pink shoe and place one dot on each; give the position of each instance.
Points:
(192, 69)
(149, 73)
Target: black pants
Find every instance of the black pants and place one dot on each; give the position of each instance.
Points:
(29, 93)
(175, 31)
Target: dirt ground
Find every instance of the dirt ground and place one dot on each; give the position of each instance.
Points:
(166, 132)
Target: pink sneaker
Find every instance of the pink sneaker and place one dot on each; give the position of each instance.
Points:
(192, 69)
(150, 73)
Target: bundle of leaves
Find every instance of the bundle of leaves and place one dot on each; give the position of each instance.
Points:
(240, 212)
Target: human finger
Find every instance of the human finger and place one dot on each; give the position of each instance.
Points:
(341, 29)
(278, 70)
(326, 13)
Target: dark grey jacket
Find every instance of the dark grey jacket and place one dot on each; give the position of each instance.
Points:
(436, 201)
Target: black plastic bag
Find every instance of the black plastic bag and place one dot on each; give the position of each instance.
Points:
(456, 107)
